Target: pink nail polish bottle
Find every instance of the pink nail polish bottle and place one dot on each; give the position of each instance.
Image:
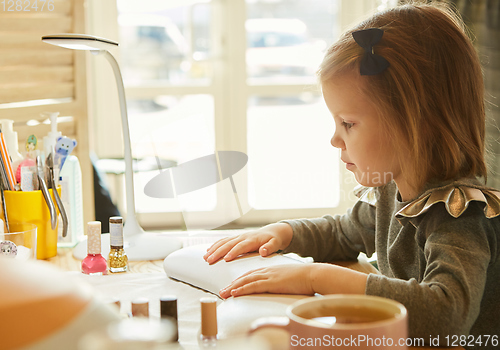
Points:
(94, 263)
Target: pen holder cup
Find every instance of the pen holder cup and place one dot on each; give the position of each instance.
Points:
(30, 207)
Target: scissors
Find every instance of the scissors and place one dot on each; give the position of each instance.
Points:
(51, 182)
(46, 194)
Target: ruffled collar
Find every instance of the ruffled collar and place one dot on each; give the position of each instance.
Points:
(456, 197)
(366, 194)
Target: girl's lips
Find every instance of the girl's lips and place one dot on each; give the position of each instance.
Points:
(347, 164)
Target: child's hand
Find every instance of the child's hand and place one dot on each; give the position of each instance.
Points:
(305, 279)
(282, 279)
(266, 240)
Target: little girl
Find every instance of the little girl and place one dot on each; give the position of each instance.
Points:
(406, 92)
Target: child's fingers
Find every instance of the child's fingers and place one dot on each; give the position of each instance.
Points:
(217, 244)
(218, 247)
(222, 250)
(242, 247)
(246, 278)
(258, 286)
(219, 253)
(269, 247)
(224, 293)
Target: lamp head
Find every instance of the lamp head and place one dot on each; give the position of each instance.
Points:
(79, 42)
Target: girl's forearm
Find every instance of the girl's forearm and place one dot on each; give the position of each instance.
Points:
(334, 279)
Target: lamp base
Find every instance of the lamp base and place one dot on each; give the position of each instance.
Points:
(139, 247)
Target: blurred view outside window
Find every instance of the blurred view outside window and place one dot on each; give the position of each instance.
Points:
(279, 49)
(162, 42)
(189, 94)
(292, 164)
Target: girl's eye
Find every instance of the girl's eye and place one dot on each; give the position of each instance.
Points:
(347, 125)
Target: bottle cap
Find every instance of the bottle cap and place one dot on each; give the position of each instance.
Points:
(208, 316)
(115, 220)
(11, 140)
(94, 237)
(168, 306)
(53, 124)
(140, 307)
(116, 231)
(49, 141)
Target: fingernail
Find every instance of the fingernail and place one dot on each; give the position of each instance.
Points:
(228, 257)
(235, 292)
(264, 250)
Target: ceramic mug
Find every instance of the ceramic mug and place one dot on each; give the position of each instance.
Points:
(342, 322)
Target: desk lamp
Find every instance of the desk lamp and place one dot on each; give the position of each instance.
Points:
(139, 245)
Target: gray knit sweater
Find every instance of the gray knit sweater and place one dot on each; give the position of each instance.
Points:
(445, 270)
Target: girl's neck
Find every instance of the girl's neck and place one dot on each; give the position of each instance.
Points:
(407, 197)
(406, 192)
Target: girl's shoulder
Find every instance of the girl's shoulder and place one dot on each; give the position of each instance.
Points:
(456, 197)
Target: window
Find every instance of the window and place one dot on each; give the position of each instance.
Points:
(206, 76)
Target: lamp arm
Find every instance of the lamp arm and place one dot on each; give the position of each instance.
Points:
(131, 227)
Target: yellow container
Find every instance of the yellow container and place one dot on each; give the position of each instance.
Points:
(30, 207)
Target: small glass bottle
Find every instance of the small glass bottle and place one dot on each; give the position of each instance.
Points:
(168, 310)
(140, 307)
(208, 335)
(94, 263)
(118, 260)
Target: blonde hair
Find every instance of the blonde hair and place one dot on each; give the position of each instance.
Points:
(431, 98)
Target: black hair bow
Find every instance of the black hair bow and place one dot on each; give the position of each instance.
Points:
(371, 64)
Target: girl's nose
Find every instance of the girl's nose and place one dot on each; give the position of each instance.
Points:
(337, 141)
